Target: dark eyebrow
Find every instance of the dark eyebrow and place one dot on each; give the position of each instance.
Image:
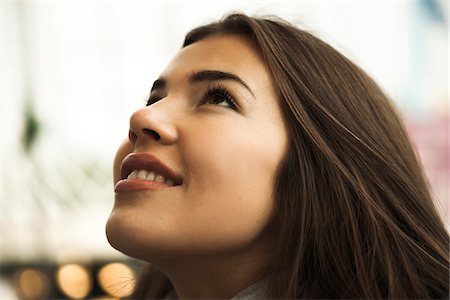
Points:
(205, 75)
(211, 75)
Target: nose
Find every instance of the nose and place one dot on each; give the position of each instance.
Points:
(152, 124)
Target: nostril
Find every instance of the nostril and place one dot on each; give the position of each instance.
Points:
(132, 137)
(152, 133)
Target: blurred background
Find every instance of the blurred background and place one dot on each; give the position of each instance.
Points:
(72, 72)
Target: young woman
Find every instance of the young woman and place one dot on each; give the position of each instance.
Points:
(267, 165)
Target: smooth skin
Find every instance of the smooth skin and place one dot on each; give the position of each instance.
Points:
(212, 235)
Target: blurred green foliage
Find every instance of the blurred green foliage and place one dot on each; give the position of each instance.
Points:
(32, 128)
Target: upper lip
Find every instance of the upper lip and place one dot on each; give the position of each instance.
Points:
(146, 161)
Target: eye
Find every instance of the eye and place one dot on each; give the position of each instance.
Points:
(152, 99)
(220, 96)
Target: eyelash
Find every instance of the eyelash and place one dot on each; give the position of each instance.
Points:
(222, 92)
(209, 94)
(152, 100)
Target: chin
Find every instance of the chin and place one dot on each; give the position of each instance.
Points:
(120, 237)
(113, 234)
(128, 238)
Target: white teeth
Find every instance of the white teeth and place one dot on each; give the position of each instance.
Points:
(160, 178)
(151, 176)
(142, 174)
(133, 174)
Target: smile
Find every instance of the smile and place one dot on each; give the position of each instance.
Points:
(143, 171)
(150, 176)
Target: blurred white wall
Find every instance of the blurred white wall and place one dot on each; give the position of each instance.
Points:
(85, 66)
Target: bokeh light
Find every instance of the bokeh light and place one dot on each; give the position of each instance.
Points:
(74, 280)
(117, 279)
(31, 284)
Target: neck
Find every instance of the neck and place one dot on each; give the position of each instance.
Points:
(217, 276)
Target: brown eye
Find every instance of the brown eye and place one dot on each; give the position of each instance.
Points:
(219, 96)
(150, 101)
(153, 99)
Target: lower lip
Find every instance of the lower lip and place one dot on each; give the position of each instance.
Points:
(131, 185)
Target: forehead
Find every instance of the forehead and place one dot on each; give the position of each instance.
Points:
(229, 53)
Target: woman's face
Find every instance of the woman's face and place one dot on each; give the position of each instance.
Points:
(215, 132)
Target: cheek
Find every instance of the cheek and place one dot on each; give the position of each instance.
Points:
(231, 179)
(227, 155)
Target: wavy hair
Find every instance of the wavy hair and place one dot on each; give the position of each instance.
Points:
(355, 212)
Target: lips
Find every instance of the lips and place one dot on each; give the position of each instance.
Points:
(146, 161)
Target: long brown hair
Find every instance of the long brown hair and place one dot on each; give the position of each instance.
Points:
(355, 212)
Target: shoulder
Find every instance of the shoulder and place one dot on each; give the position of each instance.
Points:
(254, 291)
